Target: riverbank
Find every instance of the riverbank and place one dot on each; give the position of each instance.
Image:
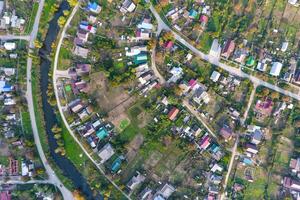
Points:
(45, 114)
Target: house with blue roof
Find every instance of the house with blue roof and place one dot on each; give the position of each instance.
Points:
(193, 14)
(140, 58)
(102, 133)
(93, 7)
(5, 87)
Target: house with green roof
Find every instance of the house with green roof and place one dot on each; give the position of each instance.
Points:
(250, 61)
(102, 133)
(140, 58)
(193, 14)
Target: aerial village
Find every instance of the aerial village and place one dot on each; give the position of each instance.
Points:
(166, 124)
(161, 122)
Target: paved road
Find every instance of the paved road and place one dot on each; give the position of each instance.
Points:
(15, 37)
(197, 115)
(215, 61)
(61, 109)
(52, 176)
(25, 182)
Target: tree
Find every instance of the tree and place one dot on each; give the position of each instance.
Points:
(61, 21)
(77, 195)
(72, 3)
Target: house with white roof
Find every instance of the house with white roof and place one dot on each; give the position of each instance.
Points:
(215, 49)
(10, 46)
(276, 69)
(215, 76)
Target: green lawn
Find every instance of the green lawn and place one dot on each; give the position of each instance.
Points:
(26, 123)
(124, 123)
(30, 23)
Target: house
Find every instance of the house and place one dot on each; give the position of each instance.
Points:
(140, 58)
(142, 34)
(169, 45)
(215, 76)
(256, 137)
(193, 14)
(146, 194)
(215, 179)
(94, 7)
(76, 108)
(226, 132)
(293, 2)
(9, 102)
(102, 133)
(250, 61)
(216, 167)
(228, 49)
(13, 167)
(84, 25)
(173, 113)
(10, 46)
(205, 142)
(284, 46)
(264, 108)
(291, 184)
(240, 55)
(136, 50)
(5, 195)
(203, 20)
(24, 169)
(261, 66)
(1, 7)
(83, 35)
(251, 148)
(145, 24)
(200, 95)
(5, 87)
(80, 51)
(127, 6)
(83, 69)
(215, 49)
(276, 68)
(135, 181)
(106, 153)
(177, 73)
(296, 77)
(166, 191)
(9, 71)
(295, 165)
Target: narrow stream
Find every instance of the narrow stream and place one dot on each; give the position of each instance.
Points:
(67, 167)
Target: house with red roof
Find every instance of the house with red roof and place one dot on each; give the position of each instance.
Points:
(203, 20)
(228, 49)
(173, 113)
(263, 108)
(168, 45)
(205, 142)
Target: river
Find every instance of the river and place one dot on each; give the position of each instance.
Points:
(66, 166)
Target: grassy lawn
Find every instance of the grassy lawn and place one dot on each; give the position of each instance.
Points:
(4, 160)
(124, 123)
(26, 123)
(64, 60)
(73, 150)
(30, 23)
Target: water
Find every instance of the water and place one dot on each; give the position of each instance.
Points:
(66, 166)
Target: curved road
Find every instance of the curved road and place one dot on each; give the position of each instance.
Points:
(52, 176)
(60, 107)
(215, 61)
